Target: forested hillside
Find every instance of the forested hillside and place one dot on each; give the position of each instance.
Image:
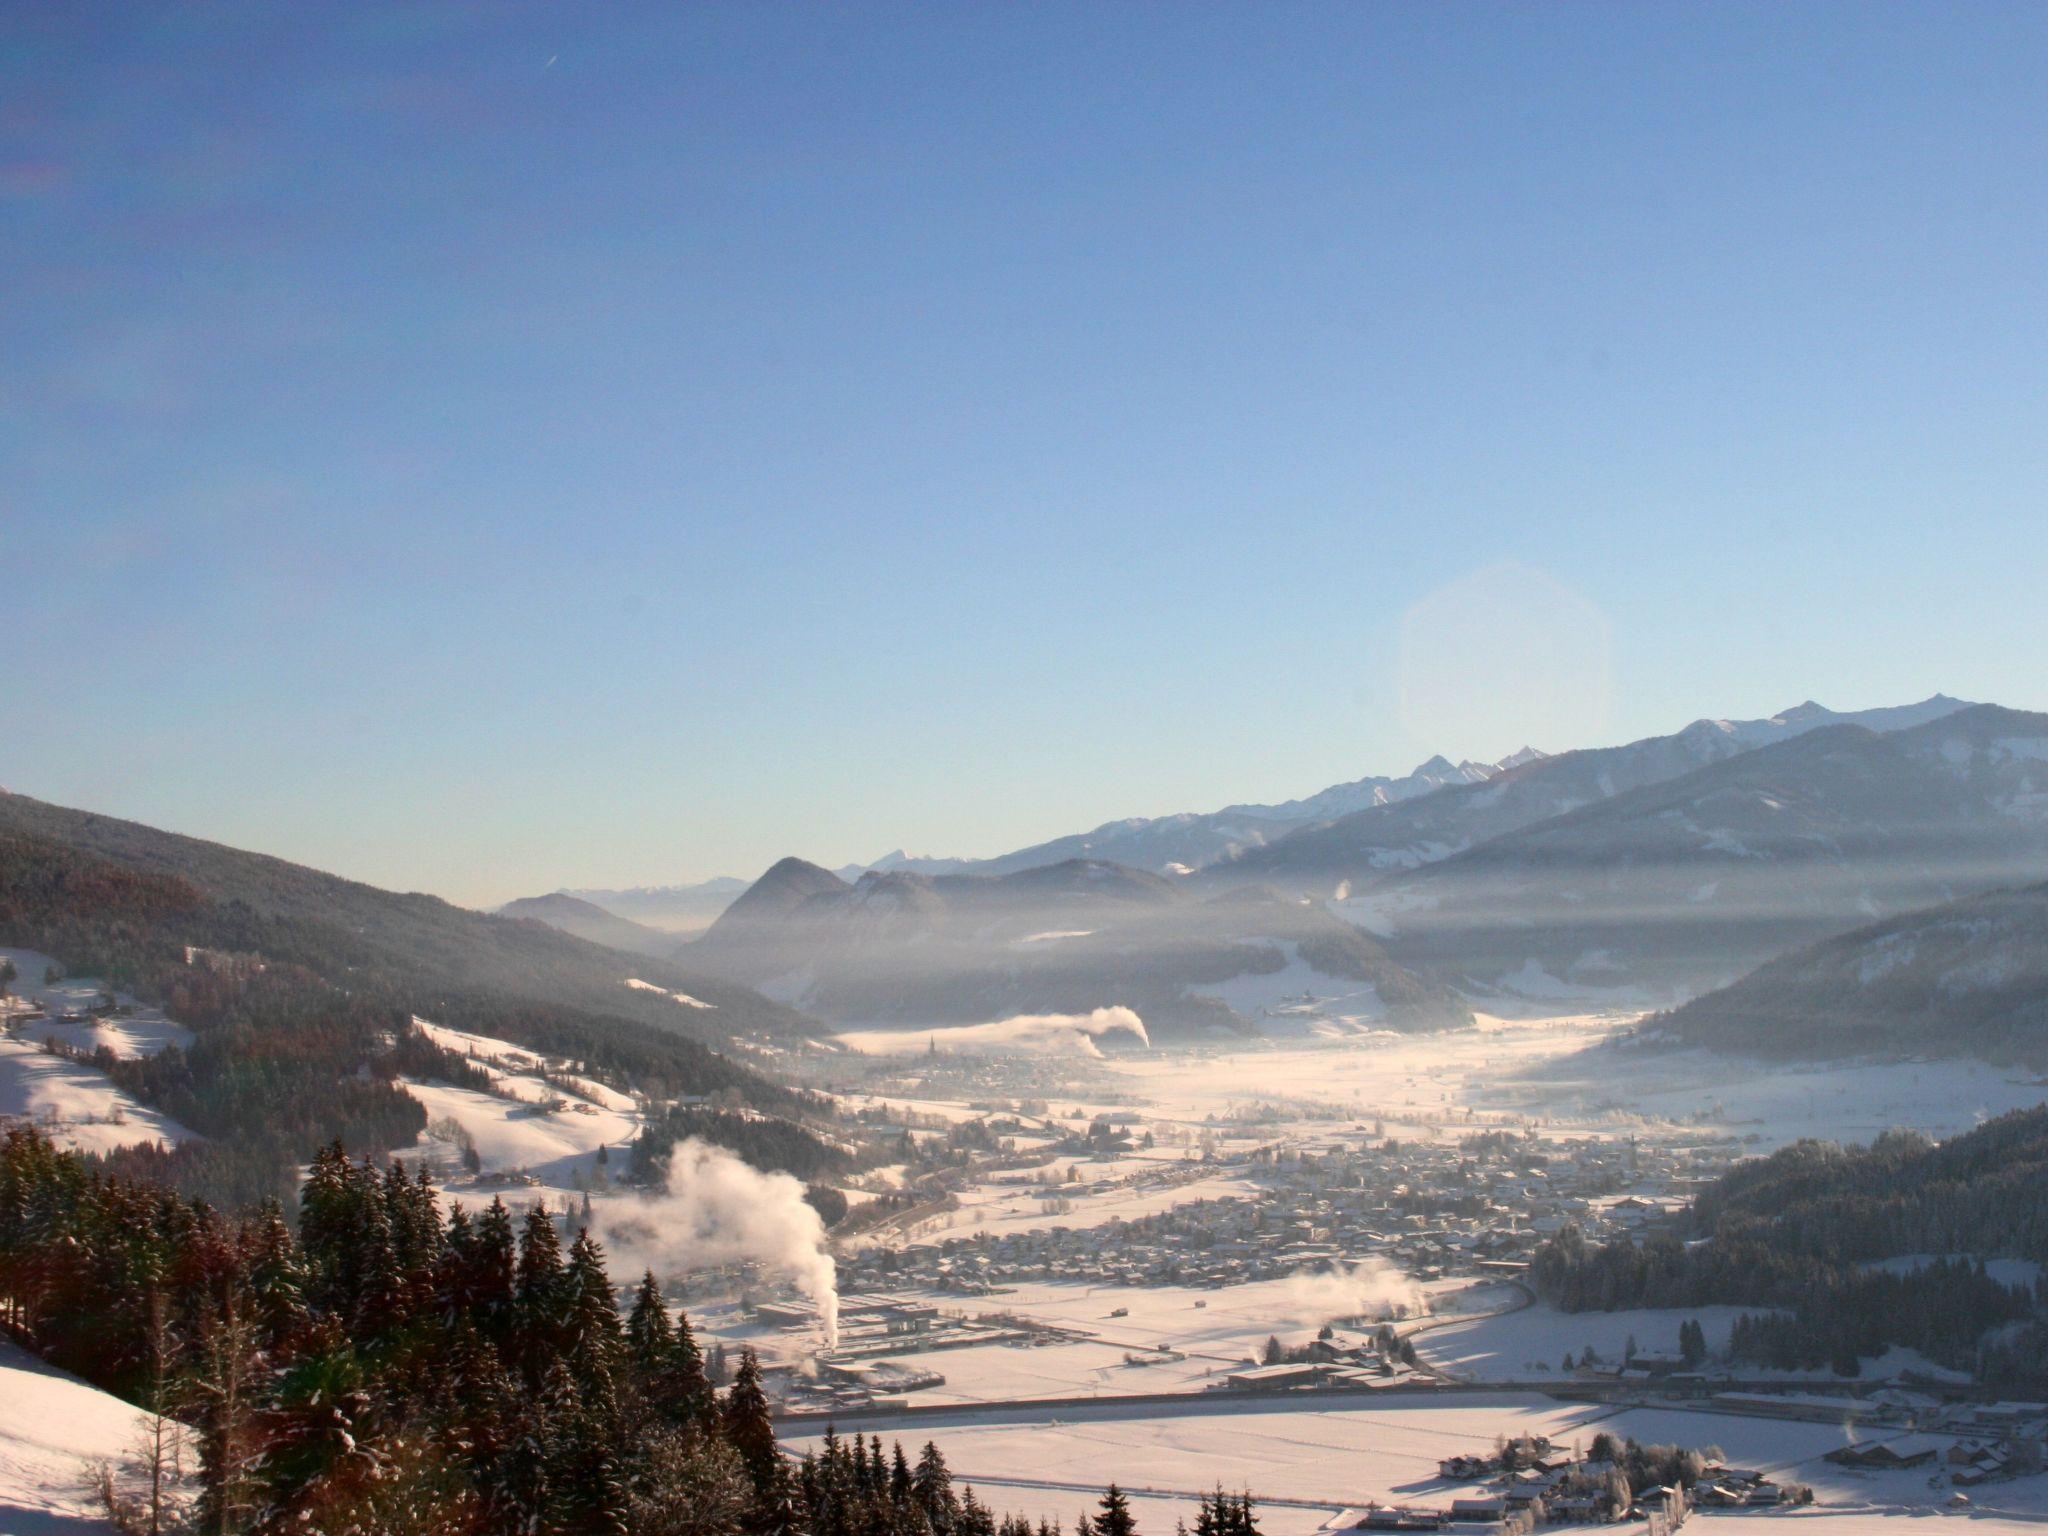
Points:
(1806, 1230)
(419, 940)
(300, 1027)
(1967, 977)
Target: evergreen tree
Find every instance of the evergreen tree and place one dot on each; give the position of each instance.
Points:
(748, 1425)
(1115, 1519)
(539, 1300)
(277, 1280)
(931, 1489)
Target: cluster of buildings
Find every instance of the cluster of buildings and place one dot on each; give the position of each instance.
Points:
(1529, 1483)
(1432, 1208)
(1968, 1443)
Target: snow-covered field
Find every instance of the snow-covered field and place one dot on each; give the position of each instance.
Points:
(1300, 1000)
(1555, 1073)
(1335, 1458)
(1218, 1331)
(1020, 1208)
(136, 1029)
(77, 1104)
(584, 1145)
(1519, 1345)
(54, 1430)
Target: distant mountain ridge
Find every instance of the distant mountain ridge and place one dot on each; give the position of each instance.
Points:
(1164, 844)
(1644, 872)
(1356, 848)
(1326, 846)
(902, 947)
(1688, 882)
(670, 908)
(589, 921)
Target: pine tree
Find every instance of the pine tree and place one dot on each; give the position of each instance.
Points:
(688, 1386)
(931, 1488)
(593, 1341)
(277, 1280)
(538, 1302)
(1115, 1519)
(747, 1423)
(975, 1520)
(489, 1285)
(649, 1333)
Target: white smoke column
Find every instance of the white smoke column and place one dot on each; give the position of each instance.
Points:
(1369, 1289)
(715, 1209)
(1038, 1033)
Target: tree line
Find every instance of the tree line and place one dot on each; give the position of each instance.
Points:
(1800, 1234)
(385, 1367)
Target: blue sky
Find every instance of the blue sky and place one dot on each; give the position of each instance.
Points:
(485, 448)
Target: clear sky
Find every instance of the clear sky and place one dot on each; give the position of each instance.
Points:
(489, 447)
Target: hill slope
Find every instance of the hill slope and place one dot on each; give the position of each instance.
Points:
(423, 941)
(1969, 977)
(55, 1431)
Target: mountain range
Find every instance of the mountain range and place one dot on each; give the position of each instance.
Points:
(1177, 844)
(912, 948)
(1346, 832)
(1679, 885)
(1649, 871)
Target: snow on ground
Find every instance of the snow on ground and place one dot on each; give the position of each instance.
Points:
(1557, 1074)
(1298, 999)
(1516, 1345)
(135, 1029)
(513, 1128)
(481, 1048)
(559, 1149)
(53, 1430)
(1021, 1208)
(1779, 1102)
(1334, 1458)
(683, 998)
(1219, 1331)
(1412, 1083)
(1347, 1457)
(78, 1105)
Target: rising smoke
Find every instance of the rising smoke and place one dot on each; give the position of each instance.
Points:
(1370, 1290)
(714, 1209)
(1040, 1033)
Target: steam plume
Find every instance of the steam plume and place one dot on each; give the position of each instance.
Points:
(1369, 1289)
(715, 1209)
(1046, 1033)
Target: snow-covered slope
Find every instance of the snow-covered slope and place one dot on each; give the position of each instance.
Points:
(54, 1431)
(74, 1102)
